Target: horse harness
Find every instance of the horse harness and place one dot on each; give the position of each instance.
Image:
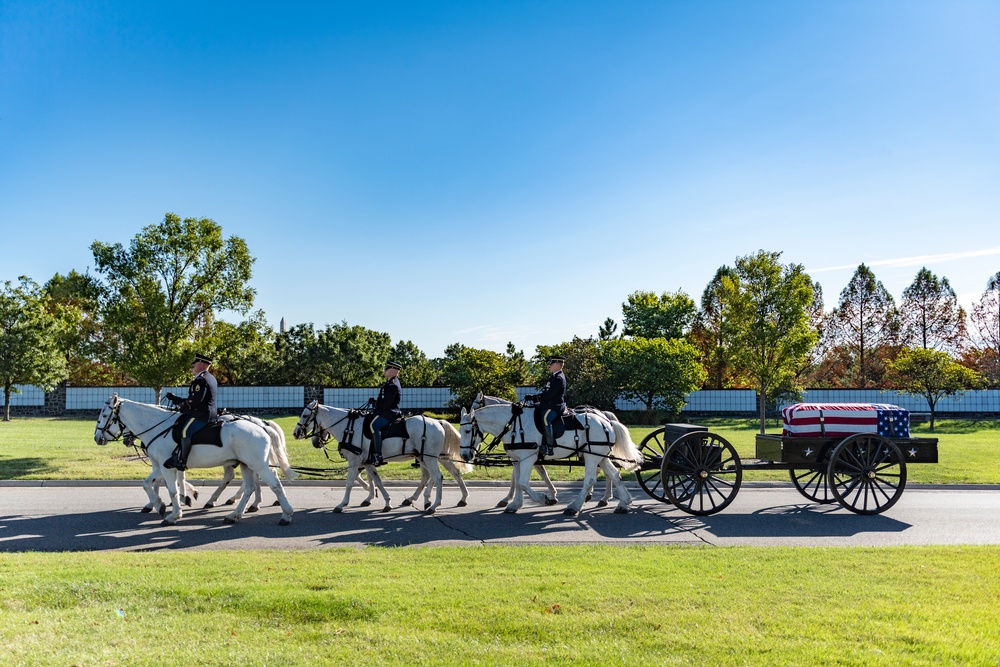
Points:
(352, 417)
(518, 441)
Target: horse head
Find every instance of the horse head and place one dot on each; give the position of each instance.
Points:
(307, 421)
(109, 425)
(467, 431)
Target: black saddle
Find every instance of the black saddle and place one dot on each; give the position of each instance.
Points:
(569, 422)
(208, 435)
(394, 429)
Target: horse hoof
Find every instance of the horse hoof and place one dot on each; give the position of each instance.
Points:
(621, 510)
(276, 503)
(209, 506)
(429, 510)
(146, 510)
(195, 492)
(502, 503)
(231, 501)
(569, 512)
(407, 503)
(510, 511)
(338, 510)
(163, 510)
(165, 523)
(602, 503)
(587, 499)
(187, 500)
(386, 508)
(550, 501)
(427, 506)
(230, 520)
(252, 509)
(462, 503)
(285, 522)
(366, 503)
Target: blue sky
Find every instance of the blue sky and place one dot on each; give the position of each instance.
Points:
(507, 171)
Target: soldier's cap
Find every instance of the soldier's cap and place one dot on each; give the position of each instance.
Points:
(201, 358)
(393, 364)
(553, 359)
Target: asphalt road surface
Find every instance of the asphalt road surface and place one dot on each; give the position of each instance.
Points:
(53, 516)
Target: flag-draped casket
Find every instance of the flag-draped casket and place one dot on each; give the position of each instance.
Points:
(840, 420)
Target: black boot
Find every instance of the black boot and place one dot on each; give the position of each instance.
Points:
(179, 460)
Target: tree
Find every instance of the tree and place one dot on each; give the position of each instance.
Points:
(985, 334)
(648, 315)
(607, 330)
(589, 381)
(468, 371)
(29, 341)
(244, 353)
(932, 374)
(417, 370)
(74, 299)
(930, 316)
(155, 293)
(864, 324)
(657, 372)
(769, 308)
(710, 333)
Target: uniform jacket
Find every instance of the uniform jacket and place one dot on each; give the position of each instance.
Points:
(387, 403)
(553, 396)
(200, 401)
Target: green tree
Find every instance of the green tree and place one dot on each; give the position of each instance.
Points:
(75, 300)
(657, 372)
(350, 356)
(648, 315)
(710, 333)
(865, 324)
(768, 304)
(607, 330)
(930, 316)
(468, 370)
(417, 370)
(29, 341)
(589, 380)
(932, 374)
(244, 353)
(156, 293)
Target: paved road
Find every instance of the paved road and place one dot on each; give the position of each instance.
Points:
(89, 517)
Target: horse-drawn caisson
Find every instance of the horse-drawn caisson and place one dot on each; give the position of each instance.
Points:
(853, 454)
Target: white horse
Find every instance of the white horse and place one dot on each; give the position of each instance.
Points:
(242, 441)
(600, 442)
(429, 442)
(483, 400)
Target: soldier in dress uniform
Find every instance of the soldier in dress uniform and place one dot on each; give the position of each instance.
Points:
(552, 401)
(386, 409)
(197, 410)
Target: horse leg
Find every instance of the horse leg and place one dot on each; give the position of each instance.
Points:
(151, 485)
(189, 493)
(515, 472)
(228, 473)
(589, 479)
(609, 484)
(237, 512)
(409, 500)
(437, 480)
(170, 479)
(267, 476)
(376, 481)
(352, 474)
(523, 486)
(552, 497)
(245, 472)
(624, 497)
(453, 471)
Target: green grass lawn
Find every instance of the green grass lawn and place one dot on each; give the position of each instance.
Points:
(586, 605)
(49, 448)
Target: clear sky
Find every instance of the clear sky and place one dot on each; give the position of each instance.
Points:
(484, 172)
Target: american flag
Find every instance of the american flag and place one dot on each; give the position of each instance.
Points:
(839, 420)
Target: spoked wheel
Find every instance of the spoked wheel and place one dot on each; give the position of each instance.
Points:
(701, 473)
(867, 473)
(812, 482)
(652, 447)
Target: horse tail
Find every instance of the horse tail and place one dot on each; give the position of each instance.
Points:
(453, 447)
(625, 452)
(279, 450)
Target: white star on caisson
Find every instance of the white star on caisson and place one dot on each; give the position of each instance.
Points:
(808, 451)
(912, 452)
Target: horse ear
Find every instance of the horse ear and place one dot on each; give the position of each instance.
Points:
(464, 413)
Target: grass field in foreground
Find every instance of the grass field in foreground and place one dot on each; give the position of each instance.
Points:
(47, 448)
(594, 605)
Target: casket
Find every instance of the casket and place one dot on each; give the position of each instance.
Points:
(840, 420)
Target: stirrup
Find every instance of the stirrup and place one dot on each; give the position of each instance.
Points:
(175, 463)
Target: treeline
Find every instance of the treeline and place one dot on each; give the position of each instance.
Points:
(760, 324)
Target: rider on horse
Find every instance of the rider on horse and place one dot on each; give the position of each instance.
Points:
(386, 409)
(552, 401)
(197, 410)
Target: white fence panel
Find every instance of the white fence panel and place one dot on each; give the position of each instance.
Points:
(30, 396)
(236, 398)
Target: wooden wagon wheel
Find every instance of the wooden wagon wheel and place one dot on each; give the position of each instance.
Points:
(813, 482)
(652, 447)
(867, 473)
(701, 473)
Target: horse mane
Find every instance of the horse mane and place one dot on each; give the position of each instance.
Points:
(453, 447)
